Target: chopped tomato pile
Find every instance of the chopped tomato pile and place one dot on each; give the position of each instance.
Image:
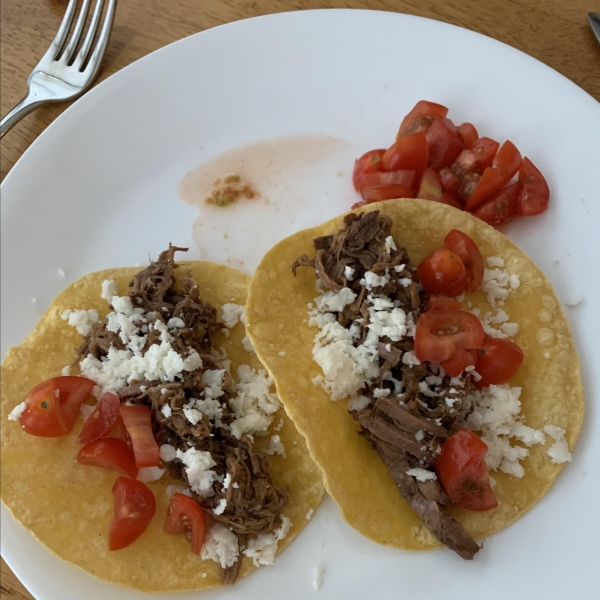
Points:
(455, 338)
(434, 159)
(114, 437)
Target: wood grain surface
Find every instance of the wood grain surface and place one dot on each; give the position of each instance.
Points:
(553, 31)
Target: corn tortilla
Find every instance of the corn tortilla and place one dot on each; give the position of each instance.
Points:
(68, 506)
(354, 475)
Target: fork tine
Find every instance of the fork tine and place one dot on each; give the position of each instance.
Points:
(61, 34)
(70, 49)
(98, 52)
(89, 38)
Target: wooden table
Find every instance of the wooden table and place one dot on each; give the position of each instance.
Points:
(554, 31)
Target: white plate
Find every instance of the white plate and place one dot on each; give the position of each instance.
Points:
(98, 189)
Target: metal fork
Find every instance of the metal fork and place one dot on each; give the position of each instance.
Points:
(61, 74)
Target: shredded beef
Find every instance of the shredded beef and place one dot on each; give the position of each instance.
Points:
(254, 505)
(406, 433)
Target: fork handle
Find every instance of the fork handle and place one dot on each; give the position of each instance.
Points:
(29, 103)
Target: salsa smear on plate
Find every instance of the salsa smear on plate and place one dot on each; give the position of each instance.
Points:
(434, 159)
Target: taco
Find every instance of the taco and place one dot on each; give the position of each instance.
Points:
(431, 370)
(175, 400)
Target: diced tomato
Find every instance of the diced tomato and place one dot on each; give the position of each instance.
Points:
(491, 182)
(462, 471)
(110, 453)
(506, 164)
(456, 364)
(502, 207)
(535, 194)
(442, 303)
(479, 157)
(460, 243)
(441, 334)
(370, 162)
(450, 182)
(383, 192)
(138, 423)
(401, 177)
(443, 272)
(420, 117)
(499, 361)
(445, 143)
(134, 507)
(470, 181)
(430, 187)
(409, 153)
(469, 134)
(102, 420)
(186, 515)
(53, 406)
(446, 198)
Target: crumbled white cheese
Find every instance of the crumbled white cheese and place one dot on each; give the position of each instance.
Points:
(263, 547)
(167, 453)
(349, 273)
(197, 468)
(66, 371)
(495, 261)
(146, 474)
(221, 545)
(390, 244)
(358, 403)
(232, 313)
(335, 301)
(399, 268)
(82, 320)
(176, 323)
(254, 405)
(247, 344)
(559, 451)
(109, 290)
(419, 435)
(85, 411)
(318, 579)
(221, 506)
(178, 489)
(227, 481)
(193, 415)
(309, 514)
(426, 391)
(372, 280)
(410, 359)
(514, 281)
(574, 301)
(495, 286)
(422, 474)
(166, 410)
(275, 447)
(279, 425)
(17, 411)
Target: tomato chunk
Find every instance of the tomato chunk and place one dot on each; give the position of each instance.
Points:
(462, 471)
(443, 272)
(102, 420)
(420, 117)
(134, 507)
(460, 243)
(401, 177)
(382, 192)
(479, 157)
(456, 364)
(186, 515)
(441, 334)
(53, 406)
(499, 360)
(469, 134)
(535, 194)
(430, 187)
(502, 207)
(409, 153)
(442, 303)
(445, 143)
(138, 423)
(370, 162)
(110, 453)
